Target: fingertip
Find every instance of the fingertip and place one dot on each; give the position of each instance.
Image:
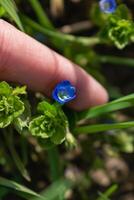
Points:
(90, 93)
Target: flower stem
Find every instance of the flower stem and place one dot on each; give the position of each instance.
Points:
(85, 41)
(40, 13)
(54, 162)
(116, 60)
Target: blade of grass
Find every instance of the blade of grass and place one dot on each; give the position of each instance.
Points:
(107, 193)
(102, 127)
(19, 164)
(18, 187)
(10, 8)
(118, 104)
(56, 191)
(41, 15)
(121, 61)
(54, 163)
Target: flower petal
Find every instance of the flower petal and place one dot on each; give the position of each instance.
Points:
(108, 6)
(64, 92)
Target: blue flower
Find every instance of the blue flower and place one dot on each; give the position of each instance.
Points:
(64, 92)
(108, 6)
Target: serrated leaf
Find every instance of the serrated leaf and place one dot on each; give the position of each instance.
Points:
(5, 89)
(19, 90)
(45, 106)
(59, 136)
(42, 127)
(10, 108)
(51, 123)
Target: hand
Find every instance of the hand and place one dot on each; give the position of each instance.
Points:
(24, 60)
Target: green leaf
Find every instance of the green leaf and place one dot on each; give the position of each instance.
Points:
(19, 90)
(56, 191)
(97, 17)
(10, 8)
(17, 160)
(10, 108)
(40, 13)
(54, 164)
(42, 126)
(118, 104)
(123, 12)
(52, 123)
(103, 127)
(118, 31)
(121, 33)
(59, 136)
(22, 122)
(2, 11)
(46, 107)
(18, 187)
(107, 193)
(5, 89)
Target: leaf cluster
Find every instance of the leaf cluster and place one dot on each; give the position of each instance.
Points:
(119, 28)
(51, 123)
(11, 106)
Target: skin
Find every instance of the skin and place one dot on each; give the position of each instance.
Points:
(25, 61)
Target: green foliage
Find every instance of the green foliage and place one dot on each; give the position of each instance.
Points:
(123, 141)
(10, 8)
(97, 17)
(2, 11)
(15, 186)
(118, 28)
(41, 15)
(121, 32)
(107, 193)
(56, 190)
(46, 126)
(118, 104)
(51, 123)
(11, 106)
(103, 127)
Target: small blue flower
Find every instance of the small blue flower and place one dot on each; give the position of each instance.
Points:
(108, 6)
(64, 92)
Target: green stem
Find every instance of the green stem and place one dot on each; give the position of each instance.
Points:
(41, 15)
(116, 60)
(10, 143)
(54, 162)
(103, 127)
(85, 41)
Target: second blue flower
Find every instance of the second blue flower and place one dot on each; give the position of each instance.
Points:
(108, 6)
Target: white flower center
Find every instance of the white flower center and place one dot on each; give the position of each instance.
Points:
(63, 95)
